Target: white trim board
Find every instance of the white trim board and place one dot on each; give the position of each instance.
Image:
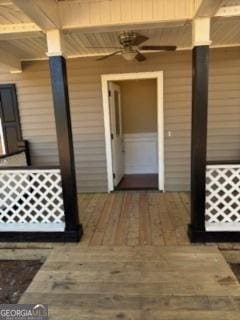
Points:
(224, 226)
(158, 75)
(2, 141)
(32, 227)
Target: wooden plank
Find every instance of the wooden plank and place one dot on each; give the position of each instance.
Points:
(24, 254)
(93, 210)
(98, 314)
(183, 208)
(195, 251)
(111, 228)
(168, 228)
(167, 265)
(122, 228)
(125, 302)
(180, 227)
(185, 197)
(73, 286)
(195, 282)
(125, 254)
(98, 235)
(145, 237)
(133, 225)
(156, 224)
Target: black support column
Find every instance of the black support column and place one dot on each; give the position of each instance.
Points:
(199, 139)
(65, 145)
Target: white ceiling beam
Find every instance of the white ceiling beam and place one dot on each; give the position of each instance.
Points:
(229, 11)
(18, 31)
(43, 13)
(10, 61)
(208, 8)
(201, 32)
(55, 43)
(120, 27)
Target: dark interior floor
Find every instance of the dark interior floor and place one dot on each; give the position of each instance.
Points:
(138, 181)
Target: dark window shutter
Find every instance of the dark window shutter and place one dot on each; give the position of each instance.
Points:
(10, 117)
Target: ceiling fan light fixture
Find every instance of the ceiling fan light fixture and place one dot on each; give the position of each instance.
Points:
(130, 49)
(129, 55)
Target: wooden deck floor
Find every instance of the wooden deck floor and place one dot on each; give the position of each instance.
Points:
(136, 283)
(135, 263)
(134, 218)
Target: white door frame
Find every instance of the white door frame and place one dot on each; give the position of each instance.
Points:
(105, 78)
(2, 141)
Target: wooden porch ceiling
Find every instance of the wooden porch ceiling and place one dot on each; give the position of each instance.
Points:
(87, 23)
(224, 32)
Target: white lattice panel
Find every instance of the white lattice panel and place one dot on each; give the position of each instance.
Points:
(222, 198)
(31, 200)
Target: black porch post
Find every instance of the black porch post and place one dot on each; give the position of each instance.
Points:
(199, 138)
(65, 144)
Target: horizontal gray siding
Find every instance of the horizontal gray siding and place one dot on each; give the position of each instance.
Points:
(36, 112)
(224, 105)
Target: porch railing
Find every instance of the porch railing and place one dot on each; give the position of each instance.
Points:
(15, 159)
(222, 211)
(31, 199)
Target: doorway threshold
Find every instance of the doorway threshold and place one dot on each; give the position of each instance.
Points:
(138, 182)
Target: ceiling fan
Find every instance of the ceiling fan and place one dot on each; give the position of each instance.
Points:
(130, 48)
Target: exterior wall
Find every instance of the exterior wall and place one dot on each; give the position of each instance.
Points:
(224, 105)
(139, 105)
(36, 112)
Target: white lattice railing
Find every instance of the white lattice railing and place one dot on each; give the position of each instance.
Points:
(31, 200)
(222, 198)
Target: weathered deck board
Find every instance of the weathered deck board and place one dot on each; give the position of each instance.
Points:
(135, 218)
(135, 262)
(137, 283)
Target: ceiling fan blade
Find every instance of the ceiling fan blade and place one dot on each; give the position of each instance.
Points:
(140, 57)
(109, 55)
(139, 39)
(103, 47)
(159, 48)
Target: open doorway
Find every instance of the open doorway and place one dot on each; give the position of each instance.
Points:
(133, 122)
(133, 118)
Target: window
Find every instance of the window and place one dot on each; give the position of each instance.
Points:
(10, 129)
